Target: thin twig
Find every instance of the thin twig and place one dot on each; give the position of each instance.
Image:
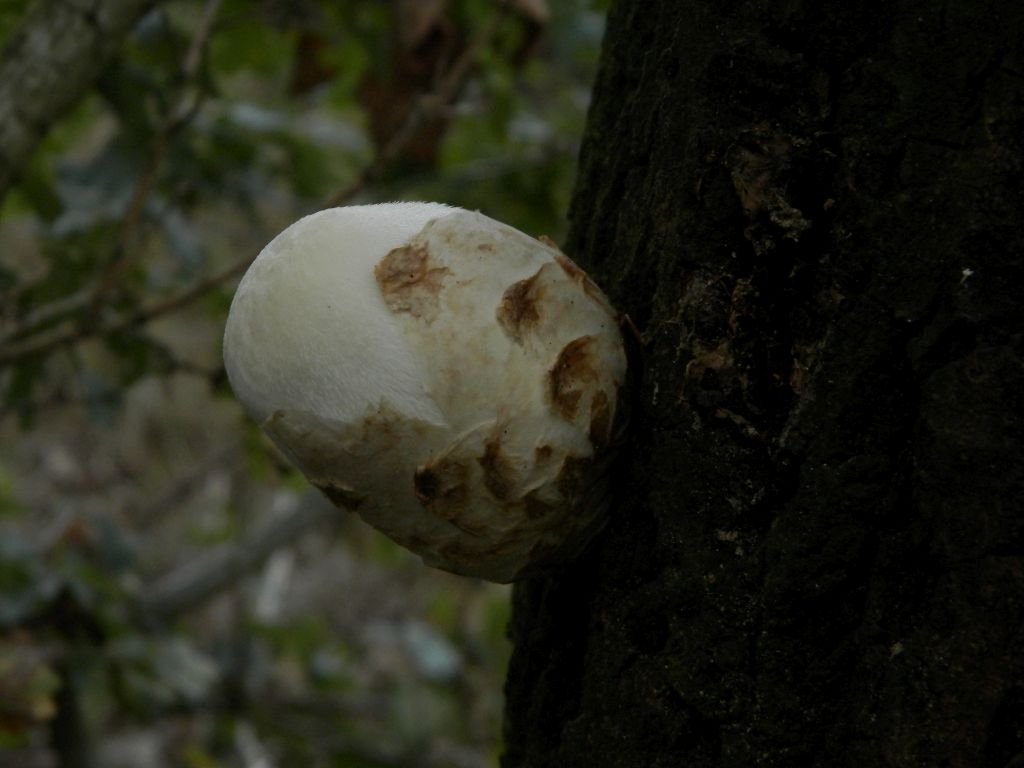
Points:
(194, 57)
(54, 310)
(46, 341)
(428, 105)
(185, 109)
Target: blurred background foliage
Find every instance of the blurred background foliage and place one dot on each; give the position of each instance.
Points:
(171, 594)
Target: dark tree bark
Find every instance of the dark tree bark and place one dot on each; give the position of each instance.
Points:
(50, 61)
(814, 213)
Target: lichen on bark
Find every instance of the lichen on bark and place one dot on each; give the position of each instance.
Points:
(49, 62)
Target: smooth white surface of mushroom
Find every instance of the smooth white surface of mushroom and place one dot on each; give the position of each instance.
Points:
(454, 381)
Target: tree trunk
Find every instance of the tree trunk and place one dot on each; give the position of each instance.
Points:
(814, 213)
(50, 61)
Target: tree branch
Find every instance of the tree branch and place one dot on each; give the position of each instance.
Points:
(23, 341)
(48, 340)
(186, 107)
(50, 60)
(195, 582)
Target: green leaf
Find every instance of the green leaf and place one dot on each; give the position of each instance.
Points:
(244, 43)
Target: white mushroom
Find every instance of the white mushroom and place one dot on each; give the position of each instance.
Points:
(454, 381)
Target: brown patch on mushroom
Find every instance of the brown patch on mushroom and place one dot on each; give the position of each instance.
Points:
(519, 310)
(600, 419)
(379, 430)
(542, 454)
(572, 372)
(340, 495)
(442, 486)
(500, 475)
(409, 282)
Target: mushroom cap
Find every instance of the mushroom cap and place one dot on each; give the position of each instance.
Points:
(452, 380)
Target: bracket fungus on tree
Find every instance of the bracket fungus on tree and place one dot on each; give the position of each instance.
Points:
(454, 381)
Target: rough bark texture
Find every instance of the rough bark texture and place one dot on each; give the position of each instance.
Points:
(814, 212)
(49, 62)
